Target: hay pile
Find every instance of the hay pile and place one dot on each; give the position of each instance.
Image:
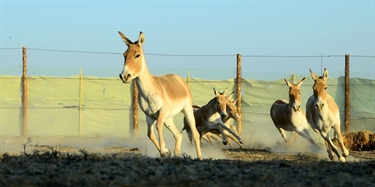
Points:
(360, 141)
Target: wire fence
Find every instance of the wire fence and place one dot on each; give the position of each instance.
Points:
(210, 67)
(78, 93)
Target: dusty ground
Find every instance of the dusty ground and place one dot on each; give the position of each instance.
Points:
(51, 164)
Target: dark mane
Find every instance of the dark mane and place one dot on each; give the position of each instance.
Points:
(215, 98)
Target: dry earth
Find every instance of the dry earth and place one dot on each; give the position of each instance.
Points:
(61, 165)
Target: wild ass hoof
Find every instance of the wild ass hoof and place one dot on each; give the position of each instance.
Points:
(182, 156)
(342, 159)
(346, 153)
(225, 142)
(166, 154)
(330, 156)
(241, 141)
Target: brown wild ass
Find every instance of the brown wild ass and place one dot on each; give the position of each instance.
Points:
(288, 116)
(232, 112)
(160, 97)
(208, 118)
(322, 113)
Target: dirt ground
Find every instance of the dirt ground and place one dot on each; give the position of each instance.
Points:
(32, 163)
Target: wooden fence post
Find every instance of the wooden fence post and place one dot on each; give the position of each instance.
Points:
(24, 90)
(347, 94)
(135, 107)
(239, 100)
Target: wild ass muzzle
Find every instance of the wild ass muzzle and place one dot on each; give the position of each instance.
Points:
(159, 97)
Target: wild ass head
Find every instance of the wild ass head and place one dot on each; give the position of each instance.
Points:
(134, 61)
(294, 95)
(221, 103)
(232, 108)
(320, 89)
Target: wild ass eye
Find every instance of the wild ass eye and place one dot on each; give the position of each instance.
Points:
(137, 55)
(325, 88)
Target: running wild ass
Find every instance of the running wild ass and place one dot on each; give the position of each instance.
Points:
(159, 97)
(232, 112)
(288, 116)
(323, 114)
(208, 118)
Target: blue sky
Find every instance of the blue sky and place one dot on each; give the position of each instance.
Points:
(193, 27)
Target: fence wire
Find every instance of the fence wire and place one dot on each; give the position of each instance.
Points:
(64, 101)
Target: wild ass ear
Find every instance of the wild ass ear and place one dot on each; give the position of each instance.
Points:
(287, 83)
(235, 101)
(125, 39)
(216, 92)
(225, 91)
(230, 95)
(300, 82)
(325, 74)
(313, 75)
(141, 38)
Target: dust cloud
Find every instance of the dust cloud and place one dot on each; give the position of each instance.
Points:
(263, 135)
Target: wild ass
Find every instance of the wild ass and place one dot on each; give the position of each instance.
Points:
(288, 116)
(322, 113)
(232, 112)
(159, 97)
(208, 118)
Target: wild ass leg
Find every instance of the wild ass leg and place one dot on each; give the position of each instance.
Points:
(329, 150)
(207, 136)
(233, 138)
(292, 137)
(150, 131)
(188, 130)
(305, 134)
(176, 134)
(159, 127)
(230, 131)
(189, 114)
(211, 126)
(339, 137)
(228, 142)
(283, 134)
(234, 129)
(226, 134)
(331, 147)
